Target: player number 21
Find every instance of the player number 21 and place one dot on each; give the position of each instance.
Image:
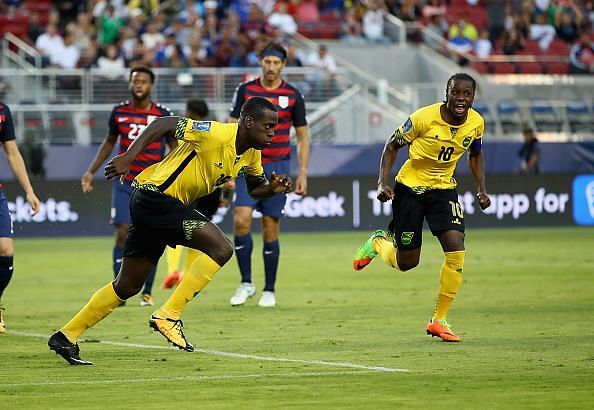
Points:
(456, 209)
(445, 153)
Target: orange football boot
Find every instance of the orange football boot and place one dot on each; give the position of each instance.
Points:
(441, 328)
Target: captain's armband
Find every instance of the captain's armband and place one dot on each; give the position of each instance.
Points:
(398, 139)
(475, 148)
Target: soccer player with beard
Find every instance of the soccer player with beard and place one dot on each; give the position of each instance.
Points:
(275, 158)
(127, 120)
(437, 135)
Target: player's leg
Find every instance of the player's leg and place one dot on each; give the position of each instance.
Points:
(173, 273)
(243, 241)
(6, 253)
(120, 219)
(446, 221)
(216, 250)
(400, 245)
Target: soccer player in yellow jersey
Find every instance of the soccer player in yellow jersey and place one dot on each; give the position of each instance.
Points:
(437, 135)
(209, 154)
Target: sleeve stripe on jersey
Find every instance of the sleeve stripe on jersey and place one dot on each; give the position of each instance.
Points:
(163, 187)
(180, 128)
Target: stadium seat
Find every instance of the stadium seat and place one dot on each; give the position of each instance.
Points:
(557, 68)
(531, 68)
(504, 68)
(545, 116)
(579, 117)
(62, 128)
(483, 109)
(510, 116)
(480, 67)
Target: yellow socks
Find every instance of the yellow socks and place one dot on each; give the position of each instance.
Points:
(190, 258)
(173, 258)
(450, 279)
(101, 304)
(195, 279)
(386, 250)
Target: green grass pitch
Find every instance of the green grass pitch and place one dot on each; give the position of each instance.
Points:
(337, 339)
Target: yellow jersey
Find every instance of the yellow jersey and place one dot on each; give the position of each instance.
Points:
(204, 160)
(435, 147)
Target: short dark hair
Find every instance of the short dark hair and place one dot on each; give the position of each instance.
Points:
(462, 77)
(143, 69)
(273, 48)
(198, 107)
(255, 107)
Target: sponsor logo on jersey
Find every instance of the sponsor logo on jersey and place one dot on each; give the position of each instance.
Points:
(201, 125)
(453, 131)
(218, 165)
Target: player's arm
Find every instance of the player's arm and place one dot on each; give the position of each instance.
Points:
(120, 164)
(260, 187)
(236, 103)
(384, 182)
(16, 163)
(101, 155)
(476, 163)
(302, 132)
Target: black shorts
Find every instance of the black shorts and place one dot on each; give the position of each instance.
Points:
(159, 220)
(440, 207)
(208, 204)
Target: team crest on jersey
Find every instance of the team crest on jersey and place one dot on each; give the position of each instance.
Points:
(406, 237)
(466, 141)
(407, 126)
(453, 131)
(283, 101)
(201, 125)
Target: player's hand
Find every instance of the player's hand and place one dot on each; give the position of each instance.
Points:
(483, 200)
(118, 165)
(86, 182)
(384, 193)
(34, 202)
(301, 185)
(281, 184)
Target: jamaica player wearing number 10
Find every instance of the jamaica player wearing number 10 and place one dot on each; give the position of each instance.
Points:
(437, 135)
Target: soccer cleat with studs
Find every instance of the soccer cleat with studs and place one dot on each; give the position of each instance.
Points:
(146, 300)
(65, 348)
(442, 329)
(172, 330)
(365, 253)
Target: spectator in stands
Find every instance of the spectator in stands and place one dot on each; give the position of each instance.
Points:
(437, 25)
(281, 21)
(111, 64)
(88, 58)
(434, 8)
(581, 55)
(542, 6)
(307, 11)
(351, 28)
(542, 32)
(33, 153)
(373, 21)
(69, 55)
(82, 30)
(152, 38)
(407, 10)
(512, 41)
(568, 21)
(255, 23)
(50, 44)
(483, 47)
(496, 16)
(143, 8)
(109, 26)
(459, 45)
(529, 153)
(293, 59)
(322, 78)
(465, 28)
(35, 29)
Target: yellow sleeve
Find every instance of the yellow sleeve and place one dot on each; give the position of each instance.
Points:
(192, 131)
(480, 130)
(254, 167)
(409, 130)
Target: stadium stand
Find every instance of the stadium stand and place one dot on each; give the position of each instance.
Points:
(510, 116)
(579, 117)
(544, 115)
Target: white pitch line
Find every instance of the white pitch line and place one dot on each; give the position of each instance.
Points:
(192, 378)
(241, 355)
